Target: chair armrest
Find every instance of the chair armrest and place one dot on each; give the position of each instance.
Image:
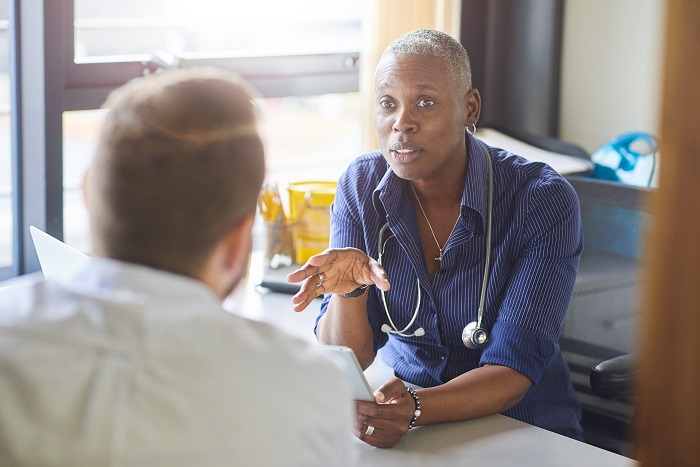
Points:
(614, 378)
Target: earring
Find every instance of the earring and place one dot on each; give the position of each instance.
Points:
(471, 133)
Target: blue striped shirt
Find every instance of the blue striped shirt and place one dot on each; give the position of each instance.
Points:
(536, 246)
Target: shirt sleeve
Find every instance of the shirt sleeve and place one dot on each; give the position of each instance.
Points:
(526, 332)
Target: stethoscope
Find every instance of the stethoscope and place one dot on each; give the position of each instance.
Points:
(474, 335)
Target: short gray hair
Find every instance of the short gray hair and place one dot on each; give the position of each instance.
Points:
(437, 44)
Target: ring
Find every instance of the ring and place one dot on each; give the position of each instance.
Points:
(369, 430)
(321, 278)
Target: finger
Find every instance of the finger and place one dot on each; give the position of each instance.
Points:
(392, 389)
(315, 264)
(308, 292)
(364, 410)
(363, 428)
(302, 302)
(302, 273)
(389, 422)
(371, 439)
(378, 435)
(379, 276)
(366, 427)
(301, 306)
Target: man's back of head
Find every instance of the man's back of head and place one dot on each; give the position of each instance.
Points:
(179, 162)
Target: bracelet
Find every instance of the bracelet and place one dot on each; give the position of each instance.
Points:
(416, 414)
(355, 293)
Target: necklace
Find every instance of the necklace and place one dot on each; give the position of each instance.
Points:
(439, 258)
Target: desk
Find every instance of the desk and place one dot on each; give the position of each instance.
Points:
(496, 440)
(490, 441)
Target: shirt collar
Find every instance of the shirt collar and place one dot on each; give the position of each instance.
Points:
(389, 184)
(126, 281)
(476, 187)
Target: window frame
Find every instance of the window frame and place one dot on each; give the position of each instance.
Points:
(46, 82)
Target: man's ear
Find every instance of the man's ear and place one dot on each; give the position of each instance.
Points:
(237, 243)
(85, 188)
(228, 261)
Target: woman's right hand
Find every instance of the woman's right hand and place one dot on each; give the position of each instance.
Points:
(336, 270)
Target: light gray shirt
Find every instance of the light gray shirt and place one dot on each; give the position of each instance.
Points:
(123, 365)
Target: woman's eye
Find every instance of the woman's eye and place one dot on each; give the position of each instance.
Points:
(425, 103)
(386, 104)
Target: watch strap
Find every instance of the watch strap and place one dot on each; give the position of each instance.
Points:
(356, 293)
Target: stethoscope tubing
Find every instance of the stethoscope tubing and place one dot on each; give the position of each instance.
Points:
(484, 282)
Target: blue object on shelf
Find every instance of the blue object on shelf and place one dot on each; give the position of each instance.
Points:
(630, 158)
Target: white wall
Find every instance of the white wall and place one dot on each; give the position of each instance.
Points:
(611, 69)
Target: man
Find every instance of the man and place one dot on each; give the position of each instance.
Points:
(133, 361)
(479, 250)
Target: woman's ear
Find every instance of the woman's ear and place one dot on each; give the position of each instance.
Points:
(473, 102)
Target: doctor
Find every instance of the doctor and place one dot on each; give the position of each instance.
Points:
(455, 260)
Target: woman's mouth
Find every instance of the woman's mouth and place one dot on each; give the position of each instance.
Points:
(404, 152)
(404, 155)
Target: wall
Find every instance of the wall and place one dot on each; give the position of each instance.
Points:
(611, 69)
(515, 51)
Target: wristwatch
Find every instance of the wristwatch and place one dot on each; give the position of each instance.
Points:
(355, 293)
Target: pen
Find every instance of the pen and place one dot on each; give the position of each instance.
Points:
(270, 204)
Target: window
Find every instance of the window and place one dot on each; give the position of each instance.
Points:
(6, 216)
(230, 28)
(306, 138)
(301, 56)
(282, 47)
(80, 132)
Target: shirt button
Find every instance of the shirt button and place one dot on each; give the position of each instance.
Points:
(442, 358)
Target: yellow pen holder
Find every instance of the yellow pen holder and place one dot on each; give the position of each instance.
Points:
(310, 204)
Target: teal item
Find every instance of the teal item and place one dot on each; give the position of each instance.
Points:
(630, 158)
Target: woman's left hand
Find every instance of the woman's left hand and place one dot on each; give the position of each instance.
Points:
(384, 423)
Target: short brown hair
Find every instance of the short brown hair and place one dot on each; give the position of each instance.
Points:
(179, 162)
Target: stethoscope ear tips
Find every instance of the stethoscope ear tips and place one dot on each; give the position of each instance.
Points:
(387, 329)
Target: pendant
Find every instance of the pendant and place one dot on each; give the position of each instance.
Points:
(439, 258)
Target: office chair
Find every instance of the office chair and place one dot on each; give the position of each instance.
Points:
(615, 378)
(598, 337)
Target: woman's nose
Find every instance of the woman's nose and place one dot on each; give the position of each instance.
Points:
(404, 122)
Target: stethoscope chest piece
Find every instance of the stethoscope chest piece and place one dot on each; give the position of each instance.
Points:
(474, 336)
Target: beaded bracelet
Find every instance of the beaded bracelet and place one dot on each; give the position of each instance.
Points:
(416, 414)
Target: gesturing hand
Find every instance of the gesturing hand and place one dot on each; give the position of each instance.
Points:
(336, 270)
